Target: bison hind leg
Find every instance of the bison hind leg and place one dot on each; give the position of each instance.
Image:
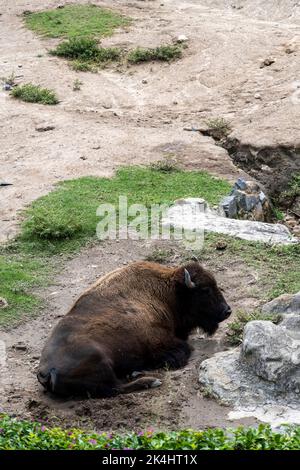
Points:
(141, 383)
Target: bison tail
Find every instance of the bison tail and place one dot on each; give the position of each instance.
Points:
(48, 380)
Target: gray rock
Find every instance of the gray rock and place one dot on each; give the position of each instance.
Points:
(292, 323)
(262, 378)
(230, 207)
(247, 201)
(240, 184)
(286, 303)
(272, 353)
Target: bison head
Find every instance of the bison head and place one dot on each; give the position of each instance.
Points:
(200, 300)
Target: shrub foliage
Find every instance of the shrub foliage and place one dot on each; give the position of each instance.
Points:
(24, 435)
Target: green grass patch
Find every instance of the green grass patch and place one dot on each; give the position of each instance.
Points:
(165, 53)
(24, 435)
(75, 20)
(19, 274)
(34, 94)
(67, 216)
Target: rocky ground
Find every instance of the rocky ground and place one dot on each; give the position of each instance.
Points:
(138, 115)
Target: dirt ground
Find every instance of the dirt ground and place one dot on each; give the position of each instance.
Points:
(177, 403)
(138, 115)
(132, 116)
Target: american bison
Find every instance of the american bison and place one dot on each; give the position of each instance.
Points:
(135, 318)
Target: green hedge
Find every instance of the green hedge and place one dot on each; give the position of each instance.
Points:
(25, 435)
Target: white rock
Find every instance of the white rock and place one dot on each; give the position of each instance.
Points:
(192, 214)
(182, 38)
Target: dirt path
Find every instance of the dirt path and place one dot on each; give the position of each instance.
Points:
(138, 115)
(178, 403)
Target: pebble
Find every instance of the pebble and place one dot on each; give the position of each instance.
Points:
(3, 303)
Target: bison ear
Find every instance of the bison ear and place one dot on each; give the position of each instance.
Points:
(187, 280)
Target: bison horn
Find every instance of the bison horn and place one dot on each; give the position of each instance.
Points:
(188, 281)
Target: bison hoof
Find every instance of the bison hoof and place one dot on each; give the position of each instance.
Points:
(156, 383)
(136, 373)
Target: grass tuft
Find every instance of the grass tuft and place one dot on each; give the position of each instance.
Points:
(77, 48)
(34, 94)
(165, 53)
(85, 51)
(218, 128)
(168, 164)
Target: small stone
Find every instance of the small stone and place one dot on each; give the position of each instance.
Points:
(44, 128)
(241, 183)
(266, 168)
(257, 96)
(83, 158)
(267, 62)
(20, 346)
(262, 197)
(221, 245)
(3, 303)
(182, 38)
(144, 81)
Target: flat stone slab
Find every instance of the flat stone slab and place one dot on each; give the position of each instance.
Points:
(192, 214)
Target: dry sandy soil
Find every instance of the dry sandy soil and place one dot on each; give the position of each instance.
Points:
(136, 116)
(117, 119)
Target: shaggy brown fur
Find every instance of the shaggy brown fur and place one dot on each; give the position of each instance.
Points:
(137, 317)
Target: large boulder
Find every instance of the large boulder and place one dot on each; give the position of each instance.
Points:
(272, 352)
(286, 303)
(262, 377)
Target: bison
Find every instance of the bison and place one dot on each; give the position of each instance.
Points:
(135, 318)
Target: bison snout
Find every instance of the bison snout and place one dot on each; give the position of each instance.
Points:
(227, 312)
(48, 379)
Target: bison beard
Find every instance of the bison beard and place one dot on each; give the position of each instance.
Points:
(135, 318)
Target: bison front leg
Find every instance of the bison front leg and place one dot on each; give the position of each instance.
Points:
(141, 383)
(174, 357)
